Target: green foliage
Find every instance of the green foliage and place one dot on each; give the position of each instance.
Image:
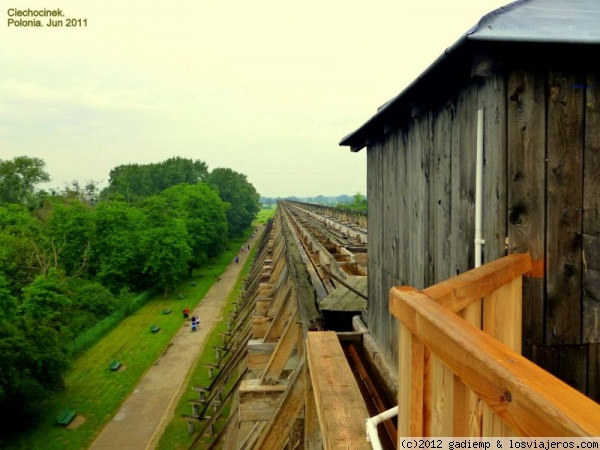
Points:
(204, 215)
(18, 178)
(8, 302)
(234, 188)
(66, 258)
(164, 243)
(69, 228)
(19, 237)
(133, 182)
(116, 258)
(45, 299)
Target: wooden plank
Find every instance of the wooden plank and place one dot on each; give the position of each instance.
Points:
(440, 202)
(411, 388)
(277, 430)
(492, 99)
(375, 316)
(563, 209)
(341, 409)
(502, 316)
(282, 352)
(591, 213)
(457, 292)
(257, 401)
(439, 398)
(418, 154)
(502, 320)
(529, 399)
(526, 189)
(546, 356)
(572, 368)
(281, 318)
(463, 175)
(312, 432)
(593, 385)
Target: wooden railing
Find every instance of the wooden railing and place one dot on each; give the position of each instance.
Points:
(461, 372)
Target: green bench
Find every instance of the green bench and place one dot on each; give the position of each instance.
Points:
(114, 364)
(167, 311)
(66, 417)
(181, 296)
(155, 328)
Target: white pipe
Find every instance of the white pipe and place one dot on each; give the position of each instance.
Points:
(479, 191)
(371, 425)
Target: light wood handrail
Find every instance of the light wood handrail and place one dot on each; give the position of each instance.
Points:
(530, 400)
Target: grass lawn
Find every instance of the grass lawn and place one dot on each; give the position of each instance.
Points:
(94, 391)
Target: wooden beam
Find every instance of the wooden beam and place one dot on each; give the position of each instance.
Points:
(282, 352)
(341, 409)
(459, 291)
(532, 401)
(277, 430)
(258, 401)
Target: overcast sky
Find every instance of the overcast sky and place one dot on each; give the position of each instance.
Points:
(267, 88)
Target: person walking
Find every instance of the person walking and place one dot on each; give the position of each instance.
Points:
(194, 323)
(186, 313)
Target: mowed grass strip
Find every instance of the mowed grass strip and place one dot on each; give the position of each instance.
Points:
(93, 390)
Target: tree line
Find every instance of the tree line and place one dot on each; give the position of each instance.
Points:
(70, 258)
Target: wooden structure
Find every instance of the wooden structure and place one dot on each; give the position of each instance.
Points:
(460, 379)
(532, 70)
(297, 385)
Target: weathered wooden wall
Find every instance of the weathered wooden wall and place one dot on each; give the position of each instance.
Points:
(540, 195)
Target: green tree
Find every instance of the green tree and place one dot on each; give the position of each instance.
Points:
(204, 215)
(165, 245)
(18, 178)
(115, 255)
(19, 242)
(133, 182)
(69, 229)
(47, 301)
(8, 302)
(234, 188)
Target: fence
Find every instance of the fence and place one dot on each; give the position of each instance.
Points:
(461, 372)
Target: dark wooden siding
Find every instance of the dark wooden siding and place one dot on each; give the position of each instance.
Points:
(541, 190)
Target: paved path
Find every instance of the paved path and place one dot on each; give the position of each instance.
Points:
(144, 415)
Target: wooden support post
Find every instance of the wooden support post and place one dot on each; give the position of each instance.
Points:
(190, 427)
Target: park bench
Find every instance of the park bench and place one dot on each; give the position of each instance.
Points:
(181, 296)
(66, 417)
(155, 328)
(114, 364)
(166, 311)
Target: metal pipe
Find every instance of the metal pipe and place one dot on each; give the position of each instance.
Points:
(371, 426)
(479, 241)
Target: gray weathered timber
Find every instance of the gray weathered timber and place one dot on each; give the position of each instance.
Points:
(526, 190)
(493, 101)
(563, 209)
(591, 214)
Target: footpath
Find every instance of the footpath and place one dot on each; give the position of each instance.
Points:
(144, 415)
